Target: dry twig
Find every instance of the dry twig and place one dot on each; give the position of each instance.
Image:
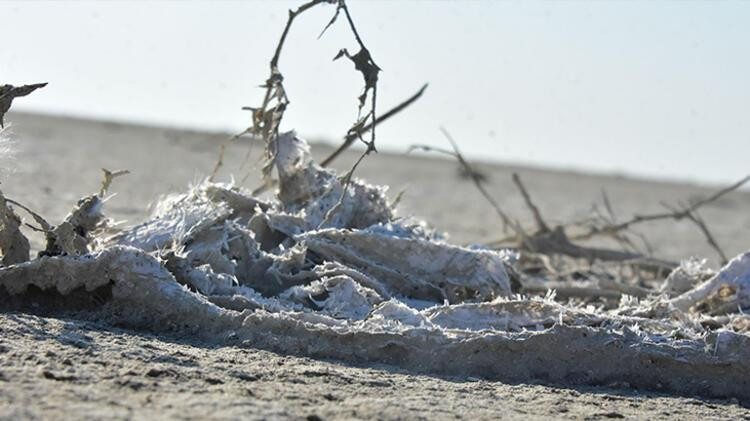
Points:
(222, 151)
(475, 178)
(610, 228)
(267, 117)
(541, 225)
(555, 241)
(676, 214)
(545, 240)
(350, 138)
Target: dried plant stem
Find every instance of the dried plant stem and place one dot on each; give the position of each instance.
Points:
(555, 240)
(693, 216)
(546, 240)
(363, 62)
(475, 178)
(676, 214)
(541, 225)
(267, 118)
(350, 138)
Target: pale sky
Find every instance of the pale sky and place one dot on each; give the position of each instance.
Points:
(644, 88)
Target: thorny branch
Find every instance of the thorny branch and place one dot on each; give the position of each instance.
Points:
(555, 240)
(709, 237)
(694, 217)
(365, 64)
(267, 117)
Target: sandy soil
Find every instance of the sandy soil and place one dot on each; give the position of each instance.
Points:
(64, 368)
(57, 365)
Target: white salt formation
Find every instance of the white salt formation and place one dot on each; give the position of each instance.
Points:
(327, 270)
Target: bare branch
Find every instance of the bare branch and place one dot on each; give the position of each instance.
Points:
(266, 119)
(475, 178)
(532, 207)
(693, 216)
(676, 214)
(608, 206)
(546, 241)
(352, 137)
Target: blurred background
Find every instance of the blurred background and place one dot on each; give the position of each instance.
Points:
(647, 89)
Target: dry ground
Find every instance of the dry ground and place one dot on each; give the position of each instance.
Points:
(65, 368)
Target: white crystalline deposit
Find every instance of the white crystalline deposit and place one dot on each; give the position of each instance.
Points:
(726, 292)
(310, 192)
(327, 270)
(683, 278)
(415, 267)
(272, 247)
